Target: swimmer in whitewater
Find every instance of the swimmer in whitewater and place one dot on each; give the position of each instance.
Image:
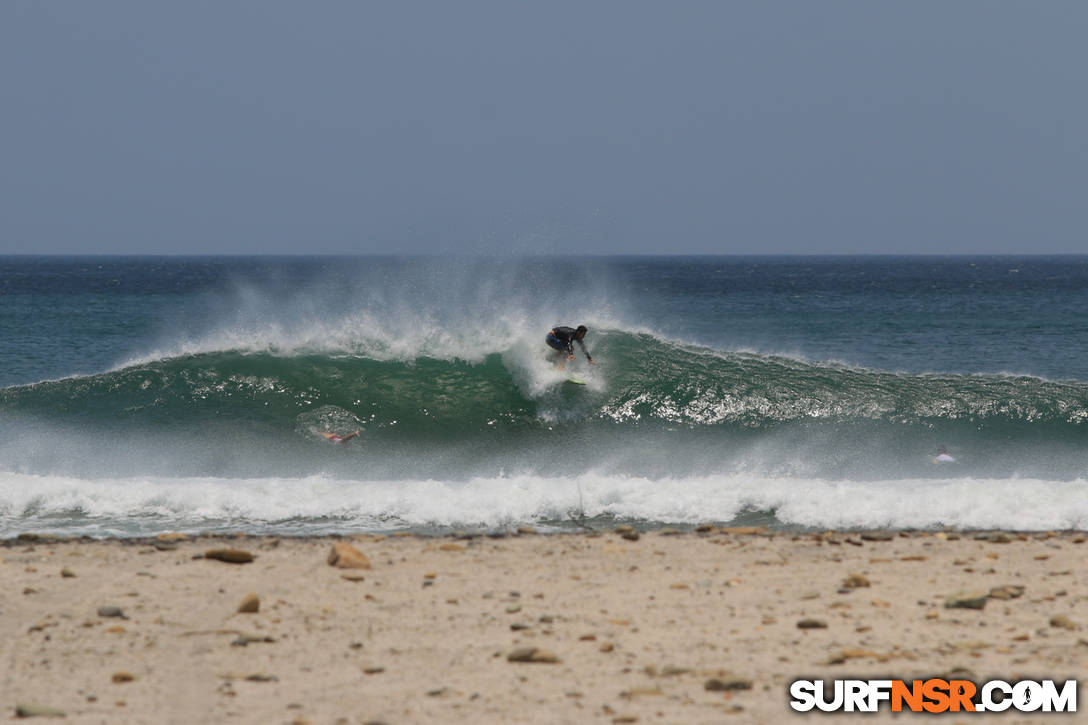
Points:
(334, 438)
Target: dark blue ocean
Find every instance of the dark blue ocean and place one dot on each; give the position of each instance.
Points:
(146, 394)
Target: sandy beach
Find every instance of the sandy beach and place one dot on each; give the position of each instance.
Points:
(703, 626)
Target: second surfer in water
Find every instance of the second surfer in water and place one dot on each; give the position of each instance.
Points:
(562, 339)
(334, 438)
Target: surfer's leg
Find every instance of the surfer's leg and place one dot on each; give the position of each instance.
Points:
(558, 351)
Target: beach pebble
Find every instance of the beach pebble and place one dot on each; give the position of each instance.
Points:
(250, 603)
(672, 671)
(812, 624)
(967, 600)
(532, 654)
(111, 612)
(34, 710)
(250, 677)
(345, 556)
(67, 573)
(1062, 622)
(245, 639)
(122, 676)
(855, 581)
(231, 556)
(727, 684)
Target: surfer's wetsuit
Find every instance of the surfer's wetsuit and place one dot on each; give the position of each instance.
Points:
(563, 338)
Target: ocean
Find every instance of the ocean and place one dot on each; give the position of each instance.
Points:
(148, 394)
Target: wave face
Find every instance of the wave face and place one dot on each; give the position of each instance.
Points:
(653, 408)
(464, 420)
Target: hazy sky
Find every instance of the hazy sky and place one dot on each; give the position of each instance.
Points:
(606, 127)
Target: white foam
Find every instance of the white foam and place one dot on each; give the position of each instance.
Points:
(319, 504)
(535, 371)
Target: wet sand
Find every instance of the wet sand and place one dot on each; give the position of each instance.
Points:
(702, 626)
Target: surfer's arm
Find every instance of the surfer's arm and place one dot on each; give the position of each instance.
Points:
(584, 351)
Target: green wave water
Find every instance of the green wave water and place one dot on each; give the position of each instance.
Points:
(696, 409)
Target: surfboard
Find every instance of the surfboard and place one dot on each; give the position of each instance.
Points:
(576, 381)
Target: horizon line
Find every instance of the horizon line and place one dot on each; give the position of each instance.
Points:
(332, 255)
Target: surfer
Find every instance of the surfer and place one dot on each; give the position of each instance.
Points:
(562, 339)
(943, 456)
(334, 438)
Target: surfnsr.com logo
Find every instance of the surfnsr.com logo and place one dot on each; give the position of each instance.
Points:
(933, 695)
